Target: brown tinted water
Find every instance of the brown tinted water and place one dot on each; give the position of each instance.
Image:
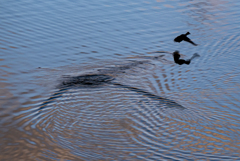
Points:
(80, 80)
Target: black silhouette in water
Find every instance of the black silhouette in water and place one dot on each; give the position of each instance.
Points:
(179, 61)
(184, 37)
(177, 56)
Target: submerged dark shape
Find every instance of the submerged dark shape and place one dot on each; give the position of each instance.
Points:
(94, 81)
(90, 79)
(179, 61)
(184, 37)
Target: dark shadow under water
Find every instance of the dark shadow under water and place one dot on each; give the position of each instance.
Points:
(97, 81)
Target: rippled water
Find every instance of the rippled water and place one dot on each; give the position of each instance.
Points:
(81, 80)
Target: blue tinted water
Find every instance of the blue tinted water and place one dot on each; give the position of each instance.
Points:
(153, 109)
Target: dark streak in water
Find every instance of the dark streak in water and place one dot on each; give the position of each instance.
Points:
(88, 80)
(162, 100)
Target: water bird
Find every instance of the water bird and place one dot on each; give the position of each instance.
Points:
(179, 61)
(183, 37)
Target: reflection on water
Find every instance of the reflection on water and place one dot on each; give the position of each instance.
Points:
(81, 81)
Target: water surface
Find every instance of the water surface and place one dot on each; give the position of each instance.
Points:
(137, 104)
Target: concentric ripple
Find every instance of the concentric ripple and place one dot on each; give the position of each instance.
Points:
(81, 80)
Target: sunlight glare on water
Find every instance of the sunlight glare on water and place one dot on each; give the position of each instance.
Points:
(81, 80)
